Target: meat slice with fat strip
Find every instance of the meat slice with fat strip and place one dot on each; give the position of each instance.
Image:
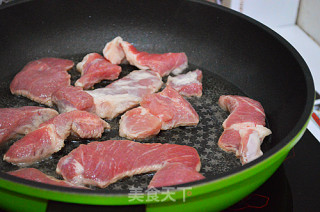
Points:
(103, 163)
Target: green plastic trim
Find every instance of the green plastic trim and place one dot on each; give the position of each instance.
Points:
(214, 195)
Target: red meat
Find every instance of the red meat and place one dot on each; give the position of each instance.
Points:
(103, 163)
(40, 78)
(22, 120)
(72, 98)
(36, 175)
(113, 51)
(50, 136)
(171, 108)
(118, 50)
(94, 68)
(244, 129)
(124, 93)
(139, 123)
(174, 174)
(188, 84)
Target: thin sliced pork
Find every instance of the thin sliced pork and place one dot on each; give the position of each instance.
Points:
(38, 176)
(139, 123)
(113, 51)
(242, 109)
(23, 120)
(73, 98)
(188, 84)
(174, 174)
(50, 136)
(171, 108)
(94, 68)
(244, 129)
(102, 163)
(125, 93)
(117, 50)
(40, 78)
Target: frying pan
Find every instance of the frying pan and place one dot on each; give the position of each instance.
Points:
(237, 55)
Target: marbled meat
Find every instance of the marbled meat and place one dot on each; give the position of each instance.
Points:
(22, 120)
(102, 163)
(163, 64)
(40, 78)
(171, 108)
(125, 93)
(174, 174)
(73, 98)
(94, 68)
(49, 137)
(139, 123)
(188, 84)
(160, 111)
(38, 176)
(244, 129)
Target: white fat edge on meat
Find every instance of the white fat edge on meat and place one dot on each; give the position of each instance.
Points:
(144, 111)
(57, 142)
(116, 104)
(79, 170)
(56, 145)
(253, 148)
(184, 79)
(254, 106)
(263, 131)
(81, 64)
(138, 75)
(140, 170)
(113, 51)
(42, 115)
(102, 184)
(132, 58)
(79, 84)
(179, 69)
(254, 141)
(64, 108)
(128, 85)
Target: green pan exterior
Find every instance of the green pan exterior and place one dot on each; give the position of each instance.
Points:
(209, 196)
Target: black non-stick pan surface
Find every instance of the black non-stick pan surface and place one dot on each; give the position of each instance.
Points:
(236, 54)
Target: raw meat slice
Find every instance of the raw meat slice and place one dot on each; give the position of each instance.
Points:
(22, 120)
(163, 64)
(242, 109)
(139, 123)
(174, 174)
(244, 129)
(103, 163)
(94, 68)
(72, 98)
(188, 84)
(171, 108)
(124, 93)
(36, 175)
(117, 51)
(230, 140)
(40, 78)
(113, 51)
(49, 138)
